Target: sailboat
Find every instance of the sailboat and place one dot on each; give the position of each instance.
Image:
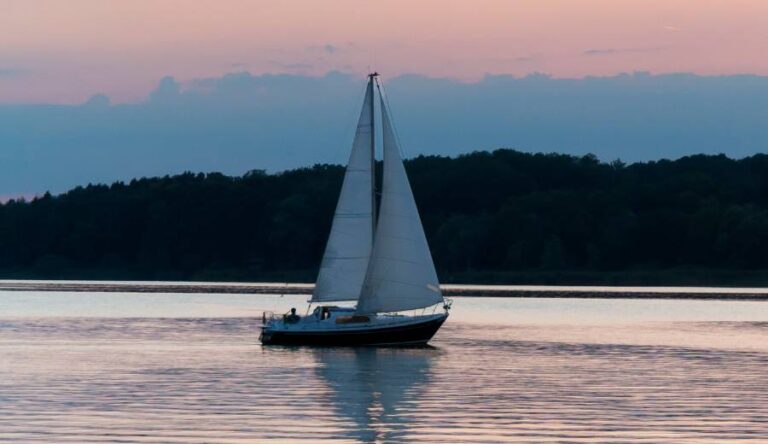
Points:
(381, 262)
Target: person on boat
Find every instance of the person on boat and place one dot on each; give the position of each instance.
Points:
(293, 317)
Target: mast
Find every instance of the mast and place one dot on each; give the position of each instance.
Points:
(371, 78)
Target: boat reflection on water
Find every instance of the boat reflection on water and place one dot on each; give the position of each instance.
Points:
(376, 388)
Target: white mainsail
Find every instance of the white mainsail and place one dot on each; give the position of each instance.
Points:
(401, 275)
(344, 264)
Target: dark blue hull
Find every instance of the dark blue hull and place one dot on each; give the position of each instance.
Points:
(411, 335)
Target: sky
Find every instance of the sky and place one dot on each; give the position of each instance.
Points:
(118, 89)
(54, 51)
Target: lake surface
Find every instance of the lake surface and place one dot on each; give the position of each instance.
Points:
(188, 368)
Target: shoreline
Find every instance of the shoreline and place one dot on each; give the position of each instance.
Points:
(449, 290)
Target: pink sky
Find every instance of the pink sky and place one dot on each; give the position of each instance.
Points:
(64, 51)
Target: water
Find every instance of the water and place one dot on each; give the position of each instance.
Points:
(113, 367)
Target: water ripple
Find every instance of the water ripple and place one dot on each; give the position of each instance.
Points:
(207, 380)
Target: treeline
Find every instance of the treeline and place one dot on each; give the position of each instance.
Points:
(504, 216)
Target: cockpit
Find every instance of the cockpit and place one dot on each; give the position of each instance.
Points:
(331, 311)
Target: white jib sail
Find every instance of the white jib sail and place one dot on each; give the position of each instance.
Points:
(401, 275)
(344, 264)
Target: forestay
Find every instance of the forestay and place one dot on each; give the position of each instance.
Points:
(344, 264)
(401, 275)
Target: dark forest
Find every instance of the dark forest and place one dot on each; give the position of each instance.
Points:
(496, 217)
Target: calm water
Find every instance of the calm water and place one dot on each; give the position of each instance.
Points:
(111, 367)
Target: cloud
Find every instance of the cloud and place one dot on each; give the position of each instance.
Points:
(614, 51)
(168, 90)
(295, 67)
(240, 121)
(97, 101)
(11, 72)
(327, 49)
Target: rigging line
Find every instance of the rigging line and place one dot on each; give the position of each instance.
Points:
(374, 209)
(383, 94)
